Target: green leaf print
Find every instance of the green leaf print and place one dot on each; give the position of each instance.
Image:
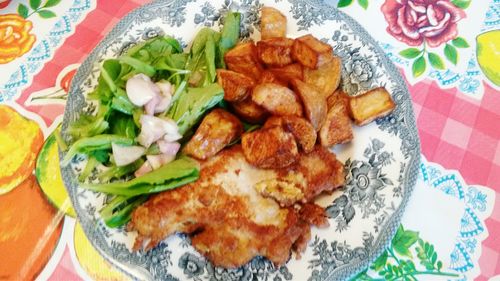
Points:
(403, 240)
(408, 257)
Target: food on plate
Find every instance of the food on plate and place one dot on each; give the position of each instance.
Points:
(368, 106)
(300, 128)
(229, 221)
(258, 120)
(311, 52)
(249, 111)
(315, 107)
(270, 148)
(244, 59)
(269, 77)
(326, 78)
(275, 51)
(272, 23)
(288, 72)
(337, 128)
(277, 99)
(218, 129)
(237, 86)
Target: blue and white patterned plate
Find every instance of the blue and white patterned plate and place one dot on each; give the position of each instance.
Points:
(381, 162)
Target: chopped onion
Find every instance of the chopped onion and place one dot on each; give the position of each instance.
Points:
(144, 169)
(140, 89)
(156, 161)
(150, 107)
(124, 155)
(166, 90)
(169, 148)
(154, 128)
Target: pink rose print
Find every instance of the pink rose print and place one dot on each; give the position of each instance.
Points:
(413, 21)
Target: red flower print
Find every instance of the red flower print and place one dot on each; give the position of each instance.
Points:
(413, 21)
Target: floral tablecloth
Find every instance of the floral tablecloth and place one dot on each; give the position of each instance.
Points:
(448, 50)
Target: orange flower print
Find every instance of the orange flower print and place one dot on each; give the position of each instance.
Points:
(15, 39)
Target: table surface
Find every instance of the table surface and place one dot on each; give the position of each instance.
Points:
(457, 108)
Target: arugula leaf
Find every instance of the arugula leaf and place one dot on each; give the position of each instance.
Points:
(139, 65)
(171, 175)
(191, 105)
(123, 125)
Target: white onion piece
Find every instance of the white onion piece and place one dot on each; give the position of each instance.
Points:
(150, 107)
(124, 155)
(168, 148)
(154, 128)
(166, 90)
(140, 89)
(144, 169)
(156, 161)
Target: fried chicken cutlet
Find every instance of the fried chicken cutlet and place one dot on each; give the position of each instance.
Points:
(228, 220)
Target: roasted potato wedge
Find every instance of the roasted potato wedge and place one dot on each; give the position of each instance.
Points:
(243, 59)
(289, 72)
(315, 108)
(273, 121)
(270, 148)
(338, 96)
(269, 77)
(277, 99)
(218, 129)
(371, 105)
(311, 52)
(275, 52)
(237, 86)
(272, 23)
(249, 111)
(301, 129)
(337, 127)
(326, 77)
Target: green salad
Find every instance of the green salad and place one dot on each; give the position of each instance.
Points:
(149, 101)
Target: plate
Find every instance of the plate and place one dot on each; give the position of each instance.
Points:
(381, 163)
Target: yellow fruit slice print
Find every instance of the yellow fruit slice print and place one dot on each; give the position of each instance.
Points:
(20, 141)
(49, 177)
(488, 55)
(91, 261)
(30, 229)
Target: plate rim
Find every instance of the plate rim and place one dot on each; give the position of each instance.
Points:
(342, 272)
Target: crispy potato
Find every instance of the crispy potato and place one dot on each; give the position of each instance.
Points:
(273, 121)
(249, 111)
(216, 131)
(272, 23)
(371, 105)
(337, 127)
(289, 72)
(338, 96)
(270, 148)
(326, 77)
(311, 52)
(237, 86)
(314, 103)
(275, 52)
(277, 99)
(301, 129)
(268, 77)
(243, 59)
